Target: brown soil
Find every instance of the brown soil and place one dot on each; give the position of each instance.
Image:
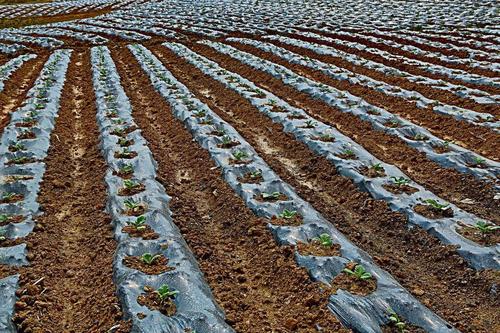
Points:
(323, 138)
(433, 213)
(437, 94)
(26, 135)
(369, 223)
(136, 211)
(314, 248)
(485, 239)
(147, 233)
(158, 266)
(14, 198)
(444, 182)
(153, 302)
(391, 328)
(476, 138)
(68, 287)
(256, 282)
(352, 284)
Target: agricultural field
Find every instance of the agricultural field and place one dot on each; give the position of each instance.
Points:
(249, 166)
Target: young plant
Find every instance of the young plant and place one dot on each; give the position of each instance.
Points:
(478, 161)
(377, 167)
(240, 155)
(16, 147)
(309, 124)
(287, 214)
(400, 181)
(139, 223)
(126, 169)
(486, 228)
(420, 137)
(435, 204)
(130, 184)
(8, 196)
(255, 174)
(219, 130)
(359, 272)
(133, 206)
(125, 153)
(200, 113)
(269, 196)
(124, 142)
(2, 235)
(324, 240)
(149, 258)
(164, 293)
(20, 160)
(396, 321)
(349, 153)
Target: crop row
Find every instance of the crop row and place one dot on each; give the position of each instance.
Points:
(269, 196)
(24, 146)
(7, 69)
(148, 238)
(414, 135)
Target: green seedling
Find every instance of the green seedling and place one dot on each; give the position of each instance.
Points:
(486, 228)
(420, 137)
(219, 130)
(226, 141)
(240, 155)
(377, 167)
(359, 272)
(139, 223)
(256, 174)
(2, 235)
(126, 153)
(4, 218)
(20, 160)
(287, 214)
(400, 181)
(324, 240)
(130, 184)
(17, 147)
(435, 204)
(126, 169)
(164, 293)
(118, 131)
(478, 161)
(200, 113)
(124, 142)
(326, 137)
(348, 153)
(132, 205)
(396, 321)
(205, 121)
(270, 195)
(309, 124)
(8, 196)
(149, 258)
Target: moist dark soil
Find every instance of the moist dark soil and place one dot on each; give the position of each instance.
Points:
(26, 124)
(314, 248)
(485, 239)
(256, 282)
(22, 161)
(26, 135)
(400, 189)
(147, 233)
(368, 223)
(68, 286)
(126, 155)
(153, 302)
(233, 161)
(124, 175)
(158, 266)
(346, 156)
(352, 284)
(280, 197)
(391, 328)
(323, 138)
(433, 213)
